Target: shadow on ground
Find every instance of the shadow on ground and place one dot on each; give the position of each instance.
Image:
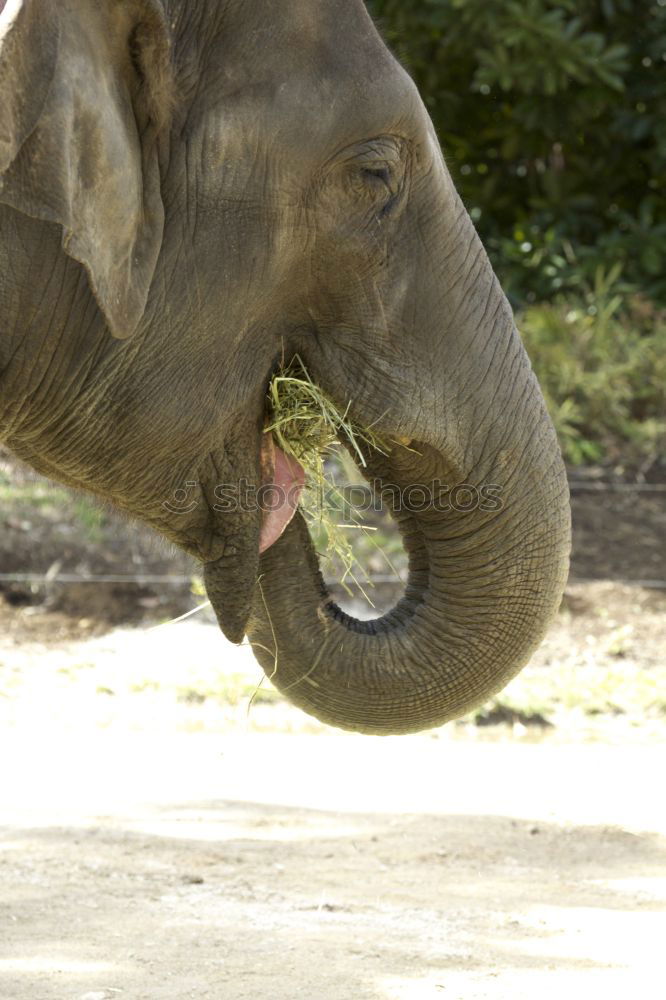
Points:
(228, 899)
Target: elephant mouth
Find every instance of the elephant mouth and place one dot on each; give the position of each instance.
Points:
(282, 480)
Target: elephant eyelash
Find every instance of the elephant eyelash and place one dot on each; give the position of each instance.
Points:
(382, 179)
(387, 178)
(380, 173)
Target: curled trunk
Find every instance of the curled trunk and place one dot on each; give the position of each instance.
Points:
(483, 586)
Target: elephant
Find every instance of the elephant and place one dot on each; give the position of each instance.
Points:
(192, 191)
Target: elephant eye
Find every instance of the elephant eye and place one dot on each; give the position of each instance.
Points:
(373, 173)
(382, 181)
(381, 174)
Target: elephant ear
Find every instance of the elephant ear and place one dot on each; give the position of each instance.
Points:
(86, 90)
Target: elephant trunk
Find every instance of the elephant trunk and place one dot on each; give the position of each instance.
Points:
(484, 581)
(448, 375)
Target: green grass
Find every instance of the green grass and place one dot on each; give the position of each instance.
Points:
(601, 362)
(543, 695)
(55, 503)
(36, 495)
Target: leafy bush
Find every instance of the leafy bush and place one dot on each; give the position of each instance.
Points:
(553, 117)
(601, 362)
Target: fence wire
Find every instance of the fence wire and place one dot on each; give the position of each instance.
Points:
(147, 579)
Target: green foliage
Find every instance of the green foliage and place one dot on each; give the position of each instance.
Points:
(552, 114)
(601, 362)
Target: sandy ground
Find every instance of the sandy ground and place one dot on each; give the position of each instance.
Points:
(160, 846)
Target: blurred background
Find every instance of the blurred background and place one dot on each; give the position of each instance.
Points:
(552, 116)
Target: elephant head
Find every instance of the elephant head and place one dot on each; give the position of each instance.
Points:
(194, 189)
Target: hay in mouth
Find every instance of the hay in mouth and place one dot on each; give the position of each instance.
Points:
(310, 428)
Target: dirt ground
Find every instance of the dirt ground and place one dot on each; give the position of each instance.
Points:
(158, 842)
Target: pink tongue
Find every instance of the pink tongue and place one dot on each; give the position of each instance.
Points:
(279, 504)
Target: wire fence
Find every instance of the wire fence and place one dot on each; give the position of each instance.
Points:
(139, 578)
(155, 579)
(586, 487)
(54, 576)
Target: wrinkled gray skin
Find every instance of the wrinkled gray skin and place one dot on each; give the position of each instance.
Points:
(192, 189)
